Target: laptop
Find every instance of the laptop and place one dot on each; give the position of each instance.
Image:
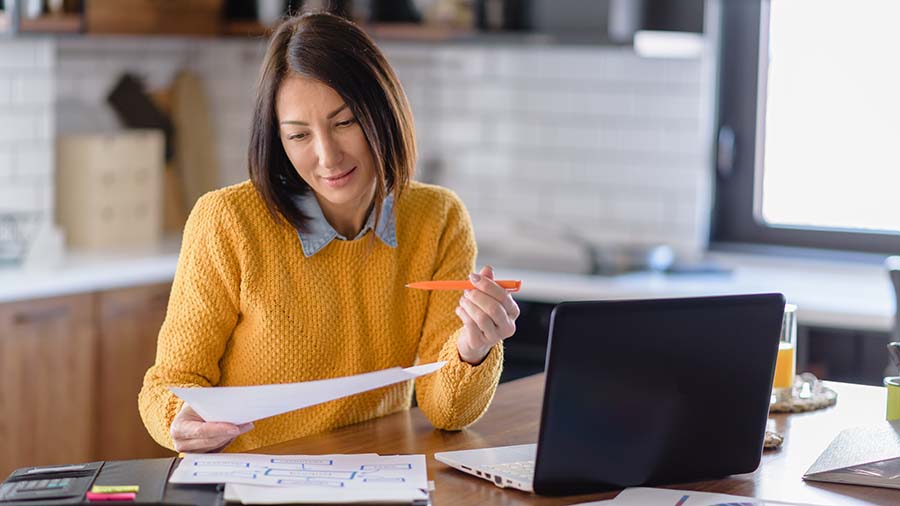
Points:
(645, 392)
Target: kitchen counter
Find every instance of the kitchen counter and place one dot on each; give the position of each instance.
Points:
(828, 294)
(81, 272)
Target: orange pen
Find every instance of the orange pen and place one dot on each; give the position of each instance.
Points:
(509, 284)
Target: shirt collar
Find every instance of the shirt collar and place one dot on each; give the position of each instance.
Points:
(320, 233)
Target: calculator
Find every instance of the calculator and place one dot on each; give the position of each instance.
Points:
(36, 484)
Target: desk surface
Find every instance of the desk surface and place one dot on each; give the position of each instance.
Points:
(513, 419)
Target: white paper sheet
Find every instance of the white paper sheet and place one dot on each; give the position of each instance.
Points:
(239, 405)
(255, 494)
(642, 496)
(276, 479)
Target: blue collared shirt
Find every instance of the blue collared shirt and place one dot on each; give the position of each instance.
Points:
(320, 233)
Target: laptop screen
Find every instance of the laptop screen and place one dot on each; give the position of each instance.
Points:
(656, 391)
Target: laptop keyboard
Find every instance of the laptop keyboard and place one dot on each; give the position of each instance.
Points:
(522, 471)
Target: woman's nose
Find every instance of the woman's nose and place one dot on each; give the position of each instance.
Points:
(329, 151)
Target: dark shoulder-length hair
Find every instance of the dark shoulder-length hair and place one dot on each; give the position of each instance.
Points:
(336, 52)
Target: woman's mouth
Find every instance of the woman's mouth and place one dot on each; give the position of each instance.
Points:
(339, 180)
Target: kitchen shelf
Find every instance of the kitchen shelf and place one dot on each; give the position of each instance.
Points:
(78, 24)
(245, 28)
(63, 23)
(416, 32)
(381, 31)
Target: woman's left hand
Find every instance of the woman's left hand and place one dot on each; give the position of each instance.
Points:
(488, 313)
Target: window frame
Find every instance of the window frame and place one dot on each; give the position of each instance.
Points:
(741, 75)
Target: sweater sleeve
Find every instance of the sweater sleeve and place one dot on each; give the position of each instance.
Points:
(459, 393)
(201, 315)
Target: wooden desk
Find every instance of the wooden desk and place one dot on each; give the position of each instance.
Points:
(513, 419)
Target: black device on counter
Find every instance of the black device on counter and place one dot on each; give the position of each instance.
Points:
(67, 484)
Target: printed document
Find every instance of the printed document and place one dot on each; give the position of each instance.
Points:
(240, 405)
(275, 479)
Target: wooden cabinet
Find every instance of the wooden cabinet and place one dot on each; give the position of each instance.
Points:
(70, 372)
(47, 366)
(152, 17)
(128, 323)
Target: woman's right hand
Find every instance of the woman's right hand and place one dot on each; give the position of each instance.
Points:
(193, 434)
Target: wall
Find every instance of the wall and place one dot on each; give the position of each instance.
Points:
(27, 70)
(592, 141)
(89, 68)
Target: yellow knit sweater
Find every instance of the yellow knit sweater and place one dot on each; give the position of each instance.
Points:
(247, 308)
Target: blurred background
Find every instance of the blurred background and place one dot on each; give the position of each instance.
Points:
(604, 149)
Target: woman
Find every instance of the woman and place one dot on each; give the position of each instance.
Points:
(299, 273)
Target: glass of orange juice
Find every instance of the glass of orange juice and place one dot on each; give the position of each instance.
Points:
(786, 364)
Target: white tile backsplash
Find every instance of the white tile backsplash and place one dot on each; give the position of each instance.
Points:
(45, 55)
(27, 80)
(18, 125)
(45, 125)
(586, 138)
(31, 89)
(33, 162)
(452, 63)
(5, 89)
(18, 54)
(6, 167)
(22, 197)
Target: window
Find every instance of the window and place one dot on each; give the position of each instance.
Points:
(808, 95)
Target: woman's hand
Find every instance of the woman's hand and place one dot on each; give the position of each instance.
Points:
(195, 435)
(488, 314)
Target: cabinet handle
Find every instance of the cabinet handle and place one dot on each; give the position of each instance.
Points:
(47, 315)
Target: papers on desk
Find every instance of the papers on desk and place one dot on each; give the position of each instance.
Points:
(240, 405)
(330, 479)
(868, 455)
(255, 494)
(642, 496)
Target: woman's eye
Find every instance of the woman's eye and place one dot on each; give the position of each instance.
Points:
(296, 137)
(346, 123)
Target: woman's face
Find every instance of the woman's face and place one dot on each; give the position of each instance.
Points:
(325, 144)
